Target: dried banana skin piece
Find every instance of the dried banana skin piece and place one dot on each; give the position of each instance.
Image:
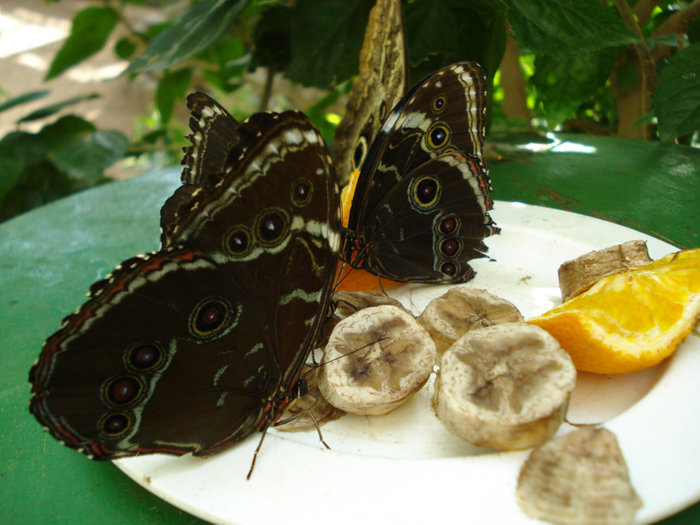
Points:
(311, 410)
(579, 274)
(349, 302)
(579, 478)
(453, 314)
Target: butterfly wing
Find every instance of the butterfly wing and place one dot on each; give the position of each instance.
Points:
(156, 361)
(381, 81)
(283, 234)
(440, 116)
(443, 113)
(431, 223)
(213, 134)
(186, 349)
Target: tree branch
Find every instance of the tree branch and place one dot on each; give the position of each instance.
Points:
(650, 77)
(676, 24)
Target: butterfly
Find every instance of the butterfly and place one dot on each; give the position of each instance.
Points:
(418, 193)
(381, 81)
(195, 346)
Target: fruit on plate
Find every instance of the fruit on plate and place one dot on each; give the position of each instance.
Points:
(578, 478)
(579, 274)
(375, 360)
(349, 302)
(453, 314)
(630, 320)
(505, 386)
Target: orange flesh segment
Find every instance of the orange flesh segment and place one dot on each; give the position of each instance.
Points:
(630, 320)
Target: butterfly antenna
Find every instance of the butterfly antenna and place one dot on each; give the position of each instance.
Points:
(378, 340)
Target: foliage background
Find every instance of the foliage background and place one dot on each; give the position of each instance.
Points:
(612, 67)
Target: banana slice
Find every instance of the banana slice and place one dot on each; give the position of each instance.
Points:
(578, 478)
(578, 275)
(374, 360)
(450, 316)
(310, 410)
(505, 386)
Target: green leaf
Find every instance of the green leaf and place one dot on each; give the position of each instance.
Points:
(40, 183)
(566, 27)
(52, 109)
(446, 31)
(231, 57)
(197, 30)
(64, 130)
(124, 48)
(86, 156)
(171, 87)
(91, 28)
(272, 38)
(25, 98)
(13, 147)
(325, 40)
(677, 98)
(564, 83)
(694, 30)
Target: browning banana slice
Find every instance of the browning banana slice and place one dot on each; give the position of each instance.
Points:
(576, 479)
(505, 386)
(374, 360)
(450, 316)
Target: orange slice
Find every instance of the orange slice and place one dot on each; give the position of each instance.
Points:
(630, 320)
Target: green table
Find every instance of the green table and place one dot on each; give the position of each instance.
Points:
(50, 256)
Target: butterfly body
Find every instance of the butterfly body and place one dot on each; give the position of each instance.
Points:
(195, 346)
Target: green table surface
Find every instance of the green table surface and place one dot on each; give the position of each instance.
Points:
(50, 256)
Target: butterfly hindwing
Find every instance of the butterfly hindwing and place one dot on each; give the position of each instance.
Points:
(213, 133)
(192, 348)
(439, 205)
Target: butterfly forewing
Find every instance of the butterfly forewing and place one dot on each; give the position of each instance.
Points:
(443, 113)
(283, 233)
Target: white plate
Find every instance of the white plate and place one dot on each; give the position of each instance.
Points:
(406, 468)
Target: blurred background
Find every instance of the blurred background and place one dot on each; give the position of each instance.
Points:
(93, 91)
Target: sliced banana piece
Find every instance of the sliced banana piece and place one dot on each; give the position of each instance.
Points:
(577, 275)
(505, 386)
(578, 479)
(310, 410)
(348, 302)
(453, 314)
(374, 360)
